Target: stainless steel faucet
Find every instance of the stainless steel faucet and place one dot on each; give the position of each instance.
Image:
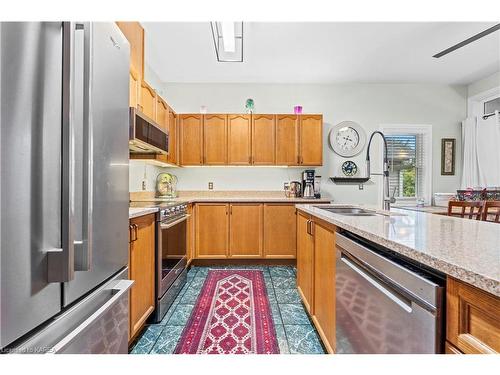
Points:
(386, 198)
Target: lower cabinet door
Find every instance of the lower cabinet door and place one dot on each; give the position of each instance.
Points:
(212, 230)
(142, 271)
(473, 318)
(305, 261)
(280, 231)
(324, 284)
(246, 225)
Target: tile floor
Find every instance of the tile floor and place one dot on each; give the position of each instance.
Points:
(295, 332)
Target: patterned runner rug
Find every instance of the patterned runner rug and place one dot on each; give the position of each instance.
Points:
(232, 316)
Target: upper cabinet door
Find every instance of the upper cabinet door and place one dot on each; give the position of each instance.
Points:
(215, 140)
(263, 139)
(311, 139)
(162, 114)
(239, 139)
(134, 33)
(287, 148)
(191, 139)
(134, 83)
(172, 137)
(147, 102)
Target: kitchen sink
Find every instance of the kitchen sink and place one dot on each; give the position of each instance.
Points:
(348, 211)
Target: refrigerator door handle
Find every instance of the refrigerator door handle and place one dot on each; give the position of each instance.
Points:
(60, 261)
(83, 248)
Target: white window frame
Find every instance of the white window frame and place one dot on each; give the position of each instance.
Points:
(426, 131)
(475, 104)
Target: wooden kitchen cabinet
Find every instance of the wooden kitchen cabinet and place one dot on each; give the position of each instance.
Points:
(239, 139)
(305, 261)
(280, 231)
(287, 143)
(245, 230)
(172, 157)
(212, 230)
(263, 139)
(161, 115)
(191, 139)
(147, 100)
(134, 83)
(142, 271)
(190, 240)
(324, 282)
(215, 140)
(316, 274)
(134, 33)
(311, 139)
(473, 318)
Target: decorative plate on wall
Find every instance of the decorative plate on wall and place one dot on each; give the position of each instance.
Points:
(349, 168)
(347, 138)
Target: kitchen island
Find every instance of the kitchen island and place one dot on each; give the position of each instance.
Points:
(466, 252)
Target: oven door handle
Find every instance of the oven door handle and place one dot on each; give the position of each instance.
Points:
(170, 225)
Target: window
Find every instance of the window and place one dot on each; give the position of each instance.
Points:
(410, 162)
(491, 106)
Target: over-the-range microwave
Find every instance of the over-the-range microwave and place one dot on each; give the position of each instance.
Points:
(145, 136)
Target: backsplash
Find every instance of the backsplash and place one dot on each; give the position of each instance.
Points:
(223, 178)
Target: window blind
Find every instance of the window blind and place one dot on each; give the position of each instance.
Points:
(406, 160)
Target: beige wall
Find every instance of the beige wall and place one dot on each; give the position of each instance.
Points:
(370, 105)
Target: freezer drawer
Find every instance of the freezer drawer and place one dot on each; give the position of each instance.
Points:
(96, 325)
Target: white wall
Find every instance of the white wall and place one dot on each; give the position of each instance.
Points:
(370, 105)
(484, 84)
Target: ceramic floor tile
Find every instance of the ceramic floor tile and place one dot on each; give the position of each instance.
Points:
(181, 315)
(281, 336)
(202, 271)
(293, 314)
(276, 313)
(287, 296)
(269, 284)
(277, 271)
(284, 282)
(303, 339)
(167, 341)
(193, 291)
(169, 313)
(148, 338)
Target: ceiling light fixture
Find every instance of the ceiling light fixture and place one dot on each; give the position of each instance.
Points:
(228, 41)
(467, 41)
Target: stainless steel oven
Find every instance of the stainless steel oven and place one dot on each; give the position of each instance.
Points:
(171, 256)
(384, 303)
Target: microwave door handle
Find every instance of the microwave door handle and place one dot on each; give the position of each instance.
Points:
(83, 247)
(60, 261)
(391, 295)
(170, 225)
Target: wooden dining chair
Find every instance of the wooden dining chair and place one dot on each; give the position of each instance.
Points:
(469, 210)
(491, 211)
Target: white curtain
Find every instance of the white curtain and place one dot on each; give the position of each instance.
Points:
(481, 152)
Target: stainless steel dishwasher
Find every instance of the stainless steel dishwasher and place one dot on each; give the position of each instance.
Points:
(384, 302)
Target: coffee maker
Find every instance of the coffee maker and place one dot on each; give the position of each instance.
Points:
(308, 184)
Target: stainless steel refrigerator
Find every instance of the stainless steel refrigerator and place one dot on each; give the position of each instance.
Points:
(64, 187)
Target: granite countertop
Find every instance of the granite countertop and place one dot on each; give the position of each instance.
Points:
(141, 211)
(467, 250)
(428, 209)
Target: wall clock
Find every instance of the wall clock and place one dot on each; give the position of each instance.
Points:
(349, 168)
(347, 138)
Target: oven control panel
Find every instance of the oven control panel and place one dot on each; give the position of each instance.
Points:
(173, 211)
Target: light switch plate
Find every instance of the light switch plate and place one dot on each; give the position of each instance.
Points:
(210, 186)
(361, 186)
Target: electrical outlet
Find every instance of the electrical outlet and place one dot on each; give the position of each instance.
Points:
(361, 186)
(210, 186)
(143, 185)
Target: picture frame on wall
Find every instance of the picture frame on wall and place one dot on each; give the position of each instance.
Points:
(448, 156)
